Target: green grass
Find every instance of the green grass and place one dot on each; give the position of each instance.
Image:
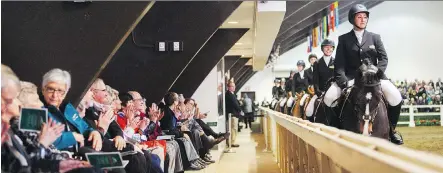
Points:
(424, 138)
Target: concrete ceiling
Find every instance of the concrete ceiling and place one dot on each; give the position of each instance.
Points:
(263, 20)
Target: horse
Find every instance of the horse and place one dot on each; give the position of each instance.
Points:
(289, 103)
(296, 108)
(363, 108)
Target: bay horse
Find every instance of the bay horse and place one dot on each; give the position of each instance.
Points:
(296, 108)
(363, 108)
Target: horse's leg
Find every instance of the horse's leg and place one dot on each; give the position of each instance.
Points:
(350, 121)
(380, 127)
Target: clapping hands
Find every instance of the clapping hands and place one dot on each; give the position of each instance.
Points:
(154, 113)
(50, 132)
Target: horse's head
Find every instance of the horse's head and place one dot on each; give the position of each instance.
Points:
(367, 95)
(311, 90)
(368, 75)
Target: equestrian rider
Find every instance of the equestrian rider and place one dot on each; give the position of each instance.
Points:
(300, 81)
(310, 71)
(323, 71)
(353, 47)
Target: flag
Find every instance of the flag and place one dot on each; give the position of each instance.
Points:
(319, 39)
(321, 28)
(332, 17)
(314, 38)
(309, 44)
(325, 27)
(337, 17)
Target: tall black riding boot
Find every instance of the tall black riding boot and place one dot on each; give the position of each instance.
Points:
(393, 116)
(302, 112)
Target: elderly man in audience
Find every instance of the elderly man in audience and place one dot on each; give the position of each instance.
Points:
(22, 152)
(101, 117)
(155, 156)
(176, 158)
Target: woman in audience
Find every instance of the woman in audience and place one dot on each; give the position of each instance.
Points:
(78, 137)
(56, 83)
(169, 122)
(17, 158)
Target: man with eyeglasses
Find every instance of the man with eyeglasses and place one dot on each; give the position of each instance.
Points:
(139, 103)
(101, 117)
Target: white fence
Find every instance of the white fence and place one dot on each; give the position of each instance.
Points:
(414, 113)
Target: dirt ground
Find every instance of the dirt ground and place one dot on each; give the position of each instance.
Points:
(424, 138)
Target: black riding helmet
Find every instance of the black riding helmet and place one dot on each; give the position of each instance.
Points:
(358, 8)
(328, 42)
(301, 62)
(311, 56)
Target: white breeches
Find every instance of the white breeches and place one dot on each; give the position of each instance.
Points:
(302, 101)
(391, 93)
(310, 107)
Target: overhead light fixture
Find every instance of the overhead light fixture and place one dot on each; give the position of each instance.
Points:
(238, 43)
(242, 55)
(233, 22)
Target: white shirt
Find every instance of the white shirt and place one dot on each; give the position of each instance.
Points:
(359, 35)
(327, 59)
(302, 74)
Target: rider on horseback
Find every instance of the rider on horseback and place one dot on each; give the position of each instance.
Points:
(352, 49)
(301, 82)
(310, 71)
(323, 71)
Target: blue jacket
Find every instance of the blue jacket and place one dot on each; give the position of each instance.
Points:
(70, 118)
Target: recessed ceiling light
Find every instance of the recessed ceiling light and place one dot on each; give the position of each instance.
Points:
(233, 22)
(238, 43)
(242, 55)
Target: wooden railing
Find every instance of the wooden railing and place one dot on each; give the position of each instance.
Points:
(302, 146)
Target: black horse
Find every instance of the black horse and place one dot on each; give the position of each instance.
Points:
(363, 109)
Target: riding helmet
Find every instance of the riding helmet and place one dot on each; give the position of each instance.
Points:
(358, 8)
(327, 42)
(301, 62)
(311, 56)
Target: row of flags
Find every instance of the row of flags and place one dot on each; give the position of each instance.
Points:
(326, 25)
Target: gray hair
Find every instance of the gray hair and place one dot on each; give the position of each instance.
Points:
(8, 76)
(27, 89)
(97, 82)
(59, 76)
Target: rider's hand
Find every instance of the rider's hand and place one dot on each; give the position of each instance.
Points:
(318, 93)
(350, 83)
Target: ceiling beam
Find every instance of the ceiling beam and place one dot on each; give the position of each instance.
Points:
(206, 59)
(289, 27)
(230, 61)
